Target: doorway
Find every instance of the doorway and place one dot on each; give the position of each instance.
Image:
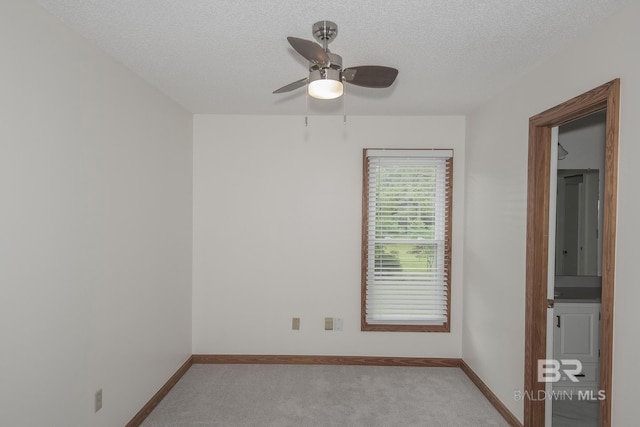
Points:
(537, 261)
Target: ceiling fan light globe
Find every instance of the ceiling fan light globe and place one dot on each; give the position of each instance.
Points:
(325, 89)
(325, 84)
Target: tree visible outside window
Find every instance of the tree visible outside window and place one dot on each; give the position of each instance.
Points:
(406, 245)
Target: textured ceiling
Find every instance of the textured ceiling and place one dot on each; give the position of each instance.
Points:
(227, 56)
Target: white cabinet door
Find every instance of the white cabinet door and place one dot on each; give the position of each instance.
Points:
(577, 331)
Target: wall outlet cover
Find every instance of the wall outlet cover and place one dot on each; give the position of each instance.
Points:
(328, 323)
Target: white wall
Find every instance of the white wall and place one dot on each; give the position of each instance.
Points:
(277, 233)
(95, 229)
(495, 217)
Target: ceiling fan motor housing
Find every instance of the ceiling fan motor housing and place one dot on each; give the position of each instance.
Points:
(324, 74)
(335, 64)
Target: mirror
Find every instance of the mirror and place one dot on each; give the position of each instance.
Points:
(580, 192)
(577, 222)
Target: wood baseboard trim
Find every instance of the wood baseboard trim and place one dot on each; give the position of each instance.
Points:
(153, 402)
(324, 360)
(492, 398)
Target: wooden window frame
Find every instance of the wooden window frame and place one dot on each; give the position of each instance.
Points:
(366, 326)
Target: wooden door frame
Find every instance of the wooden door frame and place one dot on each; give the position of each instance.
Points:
(605, 96)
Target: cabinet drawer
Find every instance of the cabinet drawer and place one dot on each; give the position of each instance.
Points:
(590, 379)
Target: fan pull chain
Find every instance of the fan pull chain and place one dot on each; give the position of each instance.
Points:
(306, 98)
(344, 103)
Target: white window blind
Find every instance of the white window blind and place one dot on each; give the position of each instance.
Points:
(407, 254)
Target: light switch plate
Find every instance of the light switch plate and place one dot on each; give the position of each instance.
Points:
(337, 324)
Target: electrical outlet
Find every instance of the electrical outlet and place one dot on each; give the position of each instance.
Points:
(337, 324)
(295, 323)
(328, 323)
(98, 401)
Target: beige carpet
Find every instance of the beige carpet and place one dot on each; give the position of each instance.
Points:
(341, 396)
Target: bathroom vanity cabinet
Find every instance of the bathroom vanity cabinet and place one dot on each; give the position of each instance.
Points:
(577, 336)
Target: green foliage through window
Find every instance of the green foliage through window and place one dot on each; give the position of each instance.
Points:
(406, 280)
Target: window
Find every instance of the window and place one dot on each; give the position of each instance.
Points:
(406, 244)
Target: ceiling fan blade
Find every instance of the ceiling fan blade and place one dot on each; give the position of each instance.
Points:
(375, 76)
(292, 86)
(313, 52)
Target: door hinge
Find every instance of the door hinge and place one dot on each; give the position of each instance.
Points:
(550, 303)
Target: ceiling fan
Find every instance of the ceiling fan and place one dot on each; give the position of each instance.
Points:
(326, 75)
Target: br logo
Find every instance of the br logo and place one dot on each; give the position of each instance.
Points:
(552, 370)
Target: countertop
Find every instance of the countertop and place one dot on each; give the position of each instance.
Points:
(577, 294)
